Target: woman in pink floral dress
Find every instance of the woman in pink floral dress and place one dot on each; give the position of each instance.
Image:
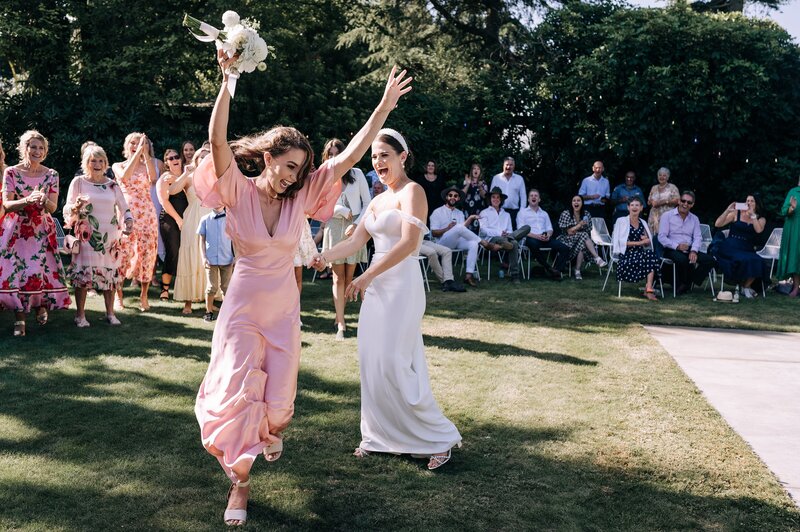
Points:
(94, 206)
(31, 273)
(139, 250)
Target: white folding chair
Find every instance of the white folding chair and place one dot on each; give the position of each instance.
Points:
(602, 238)
(423, 263)
(772, 249)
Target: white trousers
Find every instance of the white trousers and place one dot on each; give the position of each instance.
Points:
(462, 239)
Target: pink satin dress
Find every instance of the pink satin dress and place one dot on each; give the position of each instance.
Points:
(247, 396)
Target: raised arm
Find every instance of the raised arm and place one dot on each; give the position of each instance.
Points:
(221, 153)
(726, 217)
(124, 170)
(396, 86)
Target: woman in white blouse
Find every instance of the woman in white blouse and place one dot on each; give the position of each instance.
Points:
(353, 201)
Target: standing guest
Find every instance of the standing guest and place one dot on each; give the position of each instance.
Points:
(513, 186)
(94, 206)
(595, 191)
(679, 233)
(496, 226)
(171, 189)
(377, 188)
(2, 169)
(399, 414)
(246, 399)
(187, 153)
(663, 197)
(540, 232)
(433, 184)
(190, 275)
(633, 244)
(576, 234)
(217, 250)
(623, 192)
(789, 263)
(135, 176)
(450, 229)
(736, 255)
(31, 273)
(474, 194)
(352, 202)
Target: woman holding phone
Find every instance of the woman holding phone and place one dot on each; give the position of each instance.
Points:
(736, 254)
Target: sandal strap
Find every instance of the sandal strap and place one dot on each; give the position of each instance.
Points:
(243, 484)
(235, 515)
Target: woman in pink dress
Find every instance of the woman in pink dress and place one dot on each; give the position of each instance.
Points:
(246, 399)
(135, 176)
(94, 208)
(31, 273)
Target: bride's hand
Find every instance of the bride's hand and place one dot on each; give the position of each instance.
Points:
(396, 86)
(318, 262)
(358, 287)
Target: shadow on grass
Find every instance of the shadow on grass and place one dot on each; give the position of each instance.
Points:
(112, 448)
(498, 350)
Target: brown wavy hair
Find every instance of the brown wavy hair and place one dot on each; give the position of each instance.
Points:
(249, 153)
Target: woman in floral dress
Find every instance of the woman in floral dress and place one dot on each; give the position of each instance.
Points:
(138, 251)
(475, 190)
(31, 273)
(663, 197)
(93, 209)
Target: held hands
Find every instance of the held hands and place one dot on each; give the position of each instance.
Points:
(396, 86)
(318, 262)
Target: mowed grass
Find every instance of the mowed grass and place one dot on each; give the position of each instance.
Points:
(573, 418)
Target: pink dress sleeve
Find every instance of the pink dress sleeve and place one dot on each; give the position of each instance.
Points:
(8, 182)
(321, 192)
(72, 195)
(222, 192)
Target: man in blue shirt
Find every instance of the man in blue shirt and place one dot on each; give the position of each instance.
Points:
(595, 191)
(217, 250)
(622, 193)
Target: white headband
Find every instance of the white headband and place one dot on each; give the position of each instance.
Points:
(395, 135)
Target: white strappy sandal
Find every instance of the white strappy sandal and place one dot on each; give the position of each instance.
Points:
(273, 451)
(236, 514)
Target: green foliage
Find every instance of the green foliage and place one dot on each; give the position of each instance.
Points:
(713, 97)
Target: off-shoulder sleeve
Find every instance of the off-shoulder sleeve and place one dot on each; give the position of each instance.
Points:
(322, 191)
(218, 192)
(413, 220)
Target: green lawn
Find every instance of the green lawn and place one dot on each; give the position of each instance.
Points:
(573, 418)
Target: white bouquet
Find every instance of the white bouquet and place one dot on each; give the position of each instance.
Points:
(239, 37)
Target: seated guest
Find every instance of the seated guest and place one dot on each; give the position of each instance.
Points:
(595, 191)
(496, 225)
(679, 233)
(736, 254)
(622, 193)
(450, 229)
(377, 188)
(633, 244)
(440, 259)
(541, 229)
(576, 234)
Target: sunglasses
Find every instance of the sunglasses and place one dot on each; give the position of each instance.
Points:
(454, 195)
(687, 202)
(173, 157)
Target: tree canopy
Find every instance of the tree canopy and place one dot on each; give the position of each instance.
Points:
(713, 96)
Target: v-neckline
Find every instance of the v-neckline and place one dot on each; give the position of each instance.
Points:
(271, 235)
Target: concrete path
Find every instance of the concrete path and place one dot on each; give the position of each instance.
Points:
(753, 379)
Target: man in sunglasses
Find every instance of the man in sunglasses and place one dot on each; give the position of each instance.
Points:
(450, 228)
(679, 233)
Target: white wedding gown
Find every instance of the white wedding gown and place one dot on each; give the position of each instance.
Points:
(398, 412)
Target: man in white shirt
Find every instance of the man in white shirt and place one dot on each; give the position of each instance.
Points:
(513, 186)
(596, 191)
(496, 226)
(540, 236)
(449, 228)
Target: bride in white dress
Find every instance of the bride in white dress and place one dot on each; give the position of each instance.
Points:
(398, 412)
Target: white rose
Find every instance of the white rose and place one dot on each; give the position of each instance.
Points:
(230, 19)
